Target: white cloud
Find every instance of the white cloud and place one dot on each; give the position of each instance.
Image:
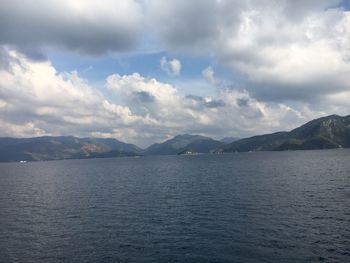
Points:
(209, 75)
(35, 100)
(171, 67)
(294, 58)
(230, 112)
(285, 60)
(39, 100)
(286, 50)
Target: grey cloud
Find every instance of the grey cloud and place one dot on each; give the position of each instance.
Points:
(279, 47)
(212, 103)
(83, 26)
(297, 9)
(242, 102)
(184, 24)
(215, 104)
(5, 59)
(33, 53)
(195, 98)
(308, 91)
(144, 96)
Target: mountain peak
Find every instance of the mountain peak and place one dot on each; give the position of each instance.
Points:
(189, 136)
(182, 143)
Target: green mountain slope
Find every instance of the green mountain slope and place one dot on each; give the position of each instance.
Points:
(323, 133)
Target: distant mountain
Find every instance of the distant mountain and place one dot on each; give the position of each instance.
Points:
(62, 147)
(229, 139)
(183, 143)
(323, 133)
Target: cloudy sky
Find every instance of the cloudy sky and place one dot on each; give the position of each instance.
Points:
(143, 71)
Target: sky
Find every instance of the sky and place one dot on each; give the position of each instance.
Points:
(143, 71)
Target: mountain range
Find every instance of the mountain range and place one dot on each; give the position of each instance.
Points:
(69, 147)
(323, 133)
(62, 147)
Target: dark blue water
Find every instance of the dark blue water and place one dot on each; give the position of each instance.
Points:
(248, 207)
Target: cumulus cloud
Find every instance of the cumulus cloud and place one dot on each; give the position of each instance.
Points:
(171, 67)
(285, 60)
(286, 50)
(293, 58)
(35, 100)
(230, 111)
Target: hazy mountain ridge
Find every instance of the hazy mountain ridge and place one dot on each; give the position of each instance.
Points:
(324, 133)
(69, 147)
(229, 139)
(182, 143)
(62, 147)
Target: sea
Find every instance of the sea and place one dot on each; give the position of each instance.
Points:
(241, 207)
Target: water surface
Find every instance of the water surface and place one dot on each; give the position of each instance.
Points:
(246, 207)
